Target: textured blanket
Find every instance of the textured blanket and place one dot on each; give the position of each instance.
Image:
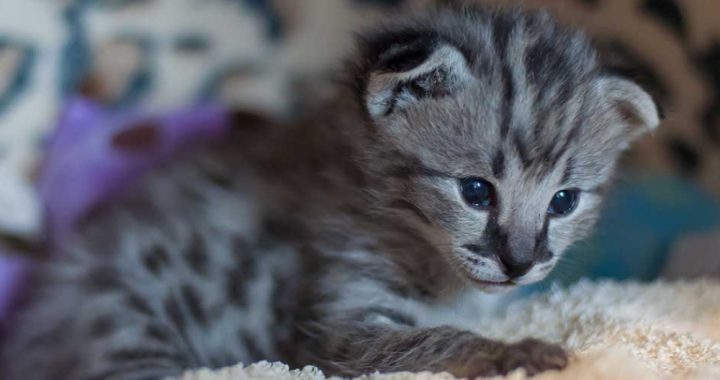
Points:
(615, 331)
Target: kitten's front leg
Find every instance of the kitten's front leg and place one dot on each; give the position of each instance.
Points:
(352, 349)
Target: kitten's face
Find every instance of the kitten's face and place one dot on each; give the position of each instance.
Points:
(504, 161)
(503, 208)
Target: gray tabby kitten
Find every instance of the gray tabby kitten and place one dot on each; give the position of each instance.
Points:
(471, 150)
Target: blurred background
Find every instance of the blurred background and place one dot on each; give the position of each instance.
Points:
(77, 76)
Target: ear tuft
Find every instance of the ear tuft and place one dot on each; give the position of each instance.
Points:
(635, 107)
(404, 75)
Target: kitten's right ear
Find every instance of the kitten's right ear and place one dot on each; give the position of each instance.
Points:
(404, 75)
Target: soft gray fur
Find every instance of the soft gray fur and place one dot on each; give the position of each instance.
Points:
(344, 241)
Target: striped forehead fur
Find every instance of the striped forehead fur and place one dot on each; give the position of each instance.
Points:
(543, 70)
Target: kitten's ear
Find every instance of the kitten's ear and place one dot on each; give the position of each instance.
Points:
(635, 108)
(404, 75)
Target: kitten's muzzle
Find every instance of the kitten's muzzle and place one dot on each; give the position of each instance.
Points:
(513, 266)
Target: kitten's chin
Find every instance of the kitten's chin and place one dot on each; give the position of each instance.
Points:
(494, 287)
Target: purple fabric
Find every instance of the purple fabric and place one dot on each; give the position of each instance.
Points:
(12, 274)
(83, 168)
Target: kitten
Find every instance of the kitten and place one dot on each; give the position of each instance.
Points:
(471, 150)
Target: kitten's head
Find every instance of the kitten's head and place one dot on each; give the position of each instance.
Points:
(496, 134)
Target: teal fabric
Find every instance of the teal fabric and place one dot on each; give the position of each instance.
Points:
(643, 217)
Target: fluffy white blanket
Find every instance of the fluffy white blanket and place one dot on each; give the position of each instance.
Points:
(615, 331)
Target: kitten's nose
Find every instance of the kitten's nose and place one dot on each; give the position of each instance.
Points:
(516, 268)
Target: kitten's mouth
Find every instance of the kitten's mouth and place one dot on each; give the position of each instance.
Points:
(499, 284)
(491, 285)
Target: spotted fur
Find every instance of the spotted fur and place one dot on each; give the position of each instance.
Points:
(344, 241)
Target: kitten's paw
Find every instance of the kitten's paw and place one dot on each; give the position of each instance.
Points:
(532, 355)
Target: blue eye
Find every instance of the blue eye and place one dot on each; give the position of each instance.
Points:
(477, 192)
(563, 202)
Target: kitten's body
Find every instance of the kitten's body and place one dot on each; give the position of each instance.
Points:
(343, 241)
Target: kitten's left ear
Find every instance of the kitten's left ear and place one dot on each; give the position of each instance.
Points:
(635, 108)
(405, 75)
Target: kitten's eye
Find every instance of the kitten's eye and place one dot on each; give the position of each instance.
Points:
(477, 192)
(563, 202)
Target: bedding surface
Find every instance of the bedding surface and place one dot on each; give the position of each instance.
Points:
(615, 331)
